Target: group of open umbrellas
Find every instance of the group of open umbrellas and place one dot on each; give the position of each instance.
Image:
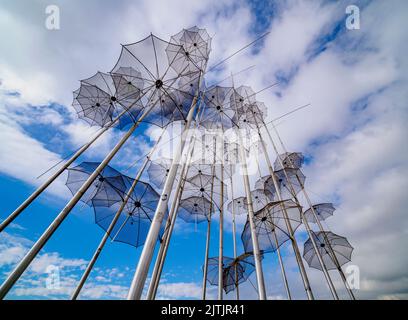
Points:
(160, 82)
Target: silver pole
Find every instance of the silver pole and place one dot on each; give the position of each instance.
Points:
(161, 255)
(207, 244)
(281, 265)
(113, 222)
(139, 279)
(309, 231)
(207, 250)
(25, 262)
(255, 244)
(234, 239)
(51, 179)
(343, 277)
(221, 238)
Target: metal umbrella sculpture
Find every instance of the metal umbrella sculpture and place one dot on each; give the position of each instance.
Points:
(158, 171)
(158, 82)
(234, 272)
(322, 210)
(106, 190)
(195, 209)
(134, 222)
(286, 183)
(238, 271)
(127, 221)
(339, 254)
(160, 70)
(271, 226)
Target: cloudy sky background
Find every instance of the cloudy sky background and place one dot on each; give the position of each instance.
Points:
(353, 134)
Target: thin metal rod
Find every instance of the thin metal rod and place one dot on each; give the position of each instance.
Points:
(255, 244)
(234, 236)
(171, 221)
(28, 258)
(139, 279)
(333, 255)
(221, 238)
(114, 221)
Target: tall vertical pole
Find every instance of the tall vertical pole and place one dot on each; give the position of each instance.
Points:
(234, 237)
(207, 243)
(142, 269)
(51, 179)
(28, 258)
(325, 271)
(281, 265)
(255, 244)
(333, 255)
(221, 237)
(113, 222)
(207, 251)
(161, 255)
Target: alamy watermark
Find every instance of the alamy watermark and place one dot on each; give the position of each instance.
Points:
(353, 17)
(353, 276)
(52, 19)
(52, 282)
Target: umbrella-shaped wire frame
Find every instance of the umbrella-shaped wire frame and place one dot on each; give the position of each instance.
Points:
(134, 221)
(108, 188)
(195, 209)
(196, 43)
(108, 95)
(158, 171)
(239, 205)
(203, 185)
(212, 271)
(218, 112)
(289, 160)
(322, 210)
(210, 150)
(290, 182)
(260, 199)
(340, 246)
(161, 64)
(271, 227)
(238, 271)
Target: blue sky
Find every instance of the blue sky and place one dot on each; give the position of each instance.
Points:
(355, 81)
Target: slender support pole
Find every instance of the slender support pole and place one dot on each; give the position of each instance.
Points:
(333, 255)
(295, 246)
(207, 244)
(308, 229)
(207, 251)
(221, 239)
(255, 244)
(25, 262)
(234, 236)
(161, 255)
(142, 269)
(113, 222)
(282, 267)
